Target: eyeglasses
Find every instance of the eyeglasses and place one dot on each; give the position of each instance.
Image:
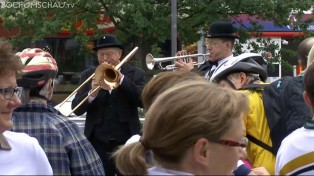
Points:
(213, 43)
(8, 93)
(231, 143)
(106, 55)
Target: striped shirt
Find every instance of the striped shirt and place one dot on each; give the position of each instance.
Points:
(296, 153)
(67, 149)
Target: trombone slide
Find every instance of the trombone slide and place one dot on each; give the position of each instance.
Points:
(114, 69)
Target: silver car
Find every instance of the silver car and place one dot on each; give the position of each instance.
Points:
(66, 109)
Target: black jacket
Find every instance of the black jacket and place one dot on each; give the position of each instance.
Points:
(127, 99)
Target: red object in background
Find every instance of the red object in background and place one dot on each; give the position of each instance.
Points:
(105, 24)
(79, 23)
(283, 34)
(267, 55)
(5, 33)
(299, 69)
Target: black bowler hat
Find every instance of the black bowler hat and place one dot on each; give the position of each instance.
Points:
(106, 41)
(221, 29)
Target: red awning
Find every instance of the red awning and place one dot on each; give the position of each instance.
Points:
(281, 34)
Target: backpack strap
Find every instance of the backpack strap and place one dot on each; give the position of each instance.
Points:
(254, 86)
(259, 143)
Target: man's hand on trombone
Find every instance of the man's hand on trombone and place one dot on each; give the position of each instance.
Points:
(106, 77)
(104, 84)
(93, 92)
(185, 64)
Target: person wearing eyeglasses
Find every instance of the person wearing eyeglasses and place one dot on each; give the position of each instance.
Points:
(20, 154)
(188, 135)
(111, 114)
(68, 150)
(220, 40)
(163, 81)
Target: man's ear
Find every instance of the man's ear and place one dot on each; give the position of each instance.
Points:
(201, 151)
(50, 84)
(120, 52)
(243, 79)
(229, 44)
(307, 99)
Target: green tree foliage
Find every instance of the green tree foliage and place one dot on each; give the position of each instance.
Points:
(145, 23)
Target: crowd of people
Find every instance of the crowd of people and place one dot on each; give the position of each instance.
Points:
(210, 120)
(67, 149)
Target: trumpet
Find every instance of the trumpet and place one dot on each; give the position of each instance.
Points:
(151, 61)
(103, 73)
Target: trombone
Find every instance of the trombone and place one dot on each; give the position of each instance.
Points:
(151, 61)
(110, 76)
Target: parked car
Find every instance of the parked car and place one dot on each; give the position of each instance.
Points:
(66, 109)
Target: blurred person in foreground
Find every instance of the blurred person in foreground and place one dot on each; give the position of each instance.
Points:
(296, 153)
(111, 113)
(303, 51)
(220, 40)
(68, 150)
(310, 57)
(164, 81)
(158, 84)
(193, 136)
(20, 154)
(286, 164)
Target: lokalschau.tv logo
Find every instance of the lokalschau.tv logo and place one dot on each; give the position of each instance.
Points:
(45, 5)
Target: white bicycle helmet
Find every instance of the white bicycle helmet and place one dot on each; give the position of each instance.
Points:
(246, 62)
(39, 66)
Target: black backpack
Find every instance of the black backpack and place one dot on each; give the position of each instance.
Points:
(285, 109)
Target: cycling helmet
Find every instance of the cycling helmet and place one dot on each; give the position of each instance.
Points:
(246, 62)
(39, 67)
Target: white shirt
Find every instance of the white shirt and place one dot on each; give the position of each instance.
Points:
(133, 139)
(296, 153)
(214, 66)
(25, 158)
(163, 171)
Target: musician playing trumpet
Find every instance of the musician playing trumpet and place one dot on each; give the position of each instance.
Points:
(220, 40)
(111, 111)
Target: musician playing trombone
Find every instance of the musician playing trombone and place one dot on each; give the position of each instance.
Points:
(220, 40)
(111, 112)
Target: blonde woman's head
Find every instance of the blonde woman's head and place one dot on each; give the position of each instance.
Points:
(184, 129)
(164, 81)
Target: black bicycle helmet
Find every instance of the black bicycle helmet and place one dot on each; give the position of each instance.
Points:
(39, 67)
(246, 62)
